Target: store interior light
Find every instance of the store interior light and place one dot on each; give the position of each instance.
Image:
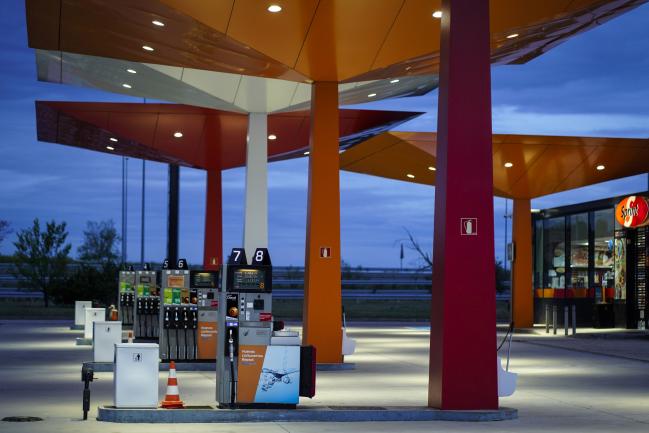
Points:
(131, 71)
(600, 167)
(509, 165)
(307, 152)
(126, 86)
(371, 95)
(512, 36)
(431, 168)
(274, 8)
(411, 176)
(178, 134)
(272, 137)
(158, 23)
(110, 148)
(437, 14)
(113, 139)
(147, 48)
(396, 80)
(536, 211)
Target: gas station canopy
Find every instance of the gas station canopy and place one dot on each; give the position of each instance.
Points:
(524, 166)
(210, 139)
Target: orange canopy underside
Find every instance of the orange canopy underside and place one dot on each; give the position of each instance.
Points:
(541, 164)
(321, 40)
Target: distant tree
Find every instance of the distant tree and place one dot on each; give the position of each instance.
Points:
(4, 230)
(426, 261)
(41, 257)
(99, 243)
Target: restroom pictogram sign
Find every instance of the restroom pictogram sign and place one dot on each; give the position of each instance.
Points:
(469, 226)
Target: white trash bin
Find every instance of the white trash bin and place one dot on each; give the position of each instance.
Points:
(135, 381)
(80, 312)
(105, 336)
(93, 315)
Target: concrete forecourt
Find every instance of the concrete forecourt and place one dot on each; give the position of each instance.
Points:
(579, 383)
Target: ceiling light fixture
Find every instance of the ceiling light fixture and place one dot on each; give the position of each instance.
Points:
(509, 165)
(158, 23)
(437, 14)
(127, 86)
(431, 168)
(274, 8)
(512, 36)
(147, 48)
(272, 137)
(110, 148)
(396, 80)
(178, 134)
(371, 95)
(307, 152)
(113, 139)
(131, 71)
(411, 176)
(600, 167)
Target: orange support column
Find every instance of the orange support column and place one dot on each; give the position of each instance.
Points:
(322, 296)
(213, 248)
(522, 291)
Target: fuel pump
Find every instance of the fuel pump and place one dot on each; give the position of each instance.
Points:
(257, 367)
(146, 323)
(203, 290)
(174, 303)
(126, 296)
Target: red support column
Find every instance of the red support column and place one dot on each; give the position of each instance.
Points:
(522, 292)
(322, 295)
(463, 314)
(213, 248)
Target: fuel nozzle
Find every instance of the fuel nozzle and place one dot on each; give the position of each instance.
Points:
(231, 346)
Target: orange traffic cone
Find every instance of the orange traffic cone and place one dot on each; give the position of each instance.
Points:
(172, 398)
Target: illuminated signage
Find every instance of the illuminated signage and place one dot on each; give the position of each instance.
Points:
(632, 211)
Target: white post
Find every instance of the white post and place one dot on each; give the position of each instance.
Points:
(255, 229)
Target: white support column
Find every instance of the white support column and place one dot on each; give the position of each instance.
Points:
(255, 229)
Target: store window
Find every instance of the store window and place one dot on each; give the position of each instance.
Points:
(554, 253)
(579, 253)
(538, 254)
(604, 275)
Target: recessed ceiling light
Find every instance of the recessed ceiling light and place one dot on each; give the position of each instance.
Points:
(512, 36)
(509, 165)
(600, 167)
(128, 86)
(411, 176)
(272, 137)
(408, 68)
(131, 71)
(274, 8)
(147, 48)
(371, 95)
(110, 148)
(113, 139)
(307, 152)
(432, 168)
(158, 23)
(437, 14)
(178, 134)
(396, 80)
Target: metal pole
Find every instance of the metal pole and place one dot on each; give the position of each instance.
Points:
(172, 213)
(505, 249)
(574, 319)
(565, 320)
(554, 319)
(142, 214)
(125, 239)
(123, 213)
(547, 319)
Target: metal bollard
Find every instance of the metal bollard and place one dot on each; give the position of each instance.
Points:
(574, 319)
(547, 319)
(554, 319)
(565, 320)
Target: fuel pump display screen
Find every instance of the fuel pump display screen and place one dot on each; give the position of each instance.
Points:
(145, 279)
(177, 281)
(204, 279)
(249, 279)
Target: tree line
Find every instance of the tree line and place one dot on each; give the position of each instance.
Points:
(42, 257)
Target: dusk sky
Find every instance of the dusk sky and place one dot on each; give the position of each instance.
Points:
(595, 84)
